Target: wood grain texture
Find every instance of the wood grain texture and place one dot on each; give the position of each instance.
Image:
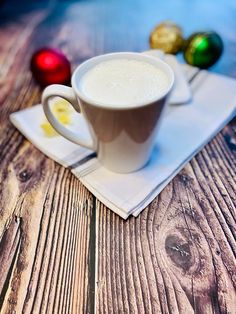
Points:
(62, 251)
(45, 232)
(178, 256)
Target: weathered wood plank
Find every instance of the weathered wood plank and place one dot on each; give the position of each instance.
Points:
(45, 212)
(178, 256)
(50, 221)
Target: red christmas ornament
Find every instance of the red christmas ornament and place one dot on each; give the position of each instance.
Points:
(50, 66)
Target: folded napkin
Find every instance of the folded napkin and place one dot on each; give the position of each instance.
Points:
(181, 92)
(184, 130)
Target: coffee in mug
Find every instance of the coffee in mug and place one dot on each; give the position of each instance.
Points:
(122, 97)
(123, 83)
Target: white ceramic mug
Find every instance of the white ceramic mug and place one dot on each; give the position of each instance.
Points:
(122, 137)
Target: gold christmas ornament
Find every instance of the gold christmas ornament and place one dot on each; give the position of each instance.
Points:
(167, 36)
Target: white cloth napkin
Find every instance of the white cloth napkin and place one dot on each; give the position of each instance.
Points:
(184, 130)
(181, 92)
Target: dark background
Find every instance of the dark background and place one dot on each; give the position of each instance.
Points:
(216, 15)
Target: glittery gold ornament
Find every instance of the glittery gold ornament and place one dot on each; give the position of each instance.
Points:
(168, 37)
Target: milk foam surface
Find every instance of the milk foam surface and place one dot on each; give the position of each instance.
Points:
(123, 82)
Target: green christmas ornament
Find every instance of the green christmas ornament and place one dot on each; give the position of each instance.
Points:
(203, 49)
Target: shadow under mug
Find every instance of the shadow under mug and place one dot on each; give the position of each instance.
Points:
(123, 138)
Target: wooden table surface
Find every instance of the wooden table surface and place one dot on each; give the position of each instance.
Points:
(63, 251)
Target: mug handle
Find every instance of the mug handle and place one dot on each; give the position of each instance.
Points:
(66, 93)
